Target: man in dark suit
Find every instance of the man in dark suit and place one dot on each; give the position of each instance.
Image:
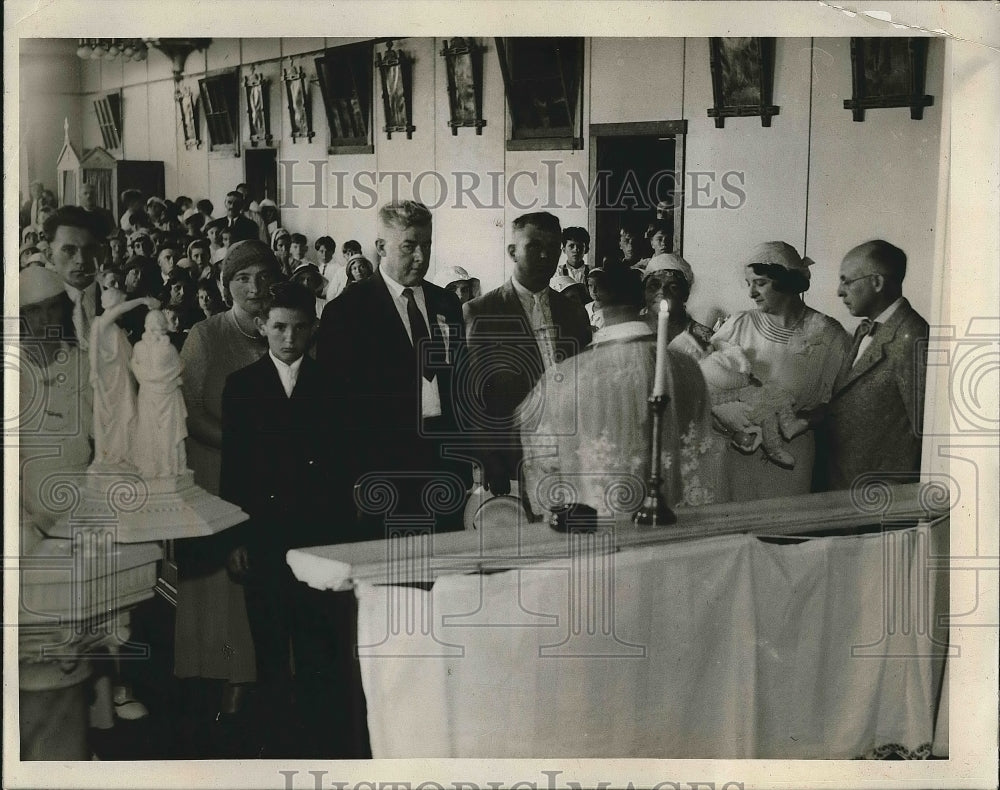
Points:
(240, 227)
(88, 202)
(280, 463)
(515, 333)
(874, 420)
(74, 248)
(396, 341)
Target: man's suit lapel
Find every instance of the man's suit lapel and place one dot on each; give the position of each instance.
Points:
(514, 307)
(269, 380)
(875, 353)
(304, 383)
(436, 308)
(512, 302)
(388, 317)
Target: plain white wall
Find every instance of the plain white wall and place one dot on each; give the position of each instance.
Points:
(815, 178)
(49, 93)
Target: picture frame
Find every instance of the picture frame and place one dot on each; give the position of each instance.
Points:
(188, 103)
(299, 109)
(397, 93)
(345, 81)
(543, 80)
(108, 109)
(258, 108)
(888, 72)
(464, 68)
(220, 101)
(742, 79)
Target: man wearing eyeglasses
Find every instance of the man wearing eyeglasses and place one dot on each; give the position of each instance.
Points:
(875, 416)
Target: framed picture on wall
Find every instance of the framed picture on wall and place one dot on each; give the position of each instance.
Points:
(189, 118)
(464, 66)
(888, 72)
(345, 81)
(543, 79)
(220, 100)
(257, 108)
(296, 92)
(394, 68)
(742, 79)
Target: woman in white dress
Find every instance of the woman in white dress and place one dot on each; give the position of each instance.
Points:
(790, 344)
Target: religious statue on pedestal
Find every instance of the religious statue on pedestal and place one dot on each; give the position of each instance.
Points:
(161, 427)
(114, 388)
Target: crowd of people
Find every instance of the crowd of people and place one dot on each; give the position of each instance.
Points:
(333, 399)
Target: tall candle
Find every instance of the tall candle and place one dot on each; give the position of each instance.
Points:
(660, 374)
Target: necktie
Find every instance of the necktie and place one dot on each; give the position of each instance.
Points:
(418, 329)
(540, 325)
(867, 327)
(79, 320)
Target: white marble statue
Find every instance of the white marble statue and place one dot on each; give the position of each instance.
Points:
(158, 446)
(114, 389)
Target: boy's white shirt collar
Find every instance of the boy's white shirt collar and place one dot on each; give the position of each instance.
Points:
(288, 374)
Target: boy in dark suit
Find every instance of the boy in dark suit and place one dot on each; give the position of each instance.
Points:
(278, 464)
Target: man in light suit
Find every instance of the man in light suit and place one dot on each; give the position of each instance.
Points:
(874, 420)
(74, 249)
(395, 340)
(515, 333)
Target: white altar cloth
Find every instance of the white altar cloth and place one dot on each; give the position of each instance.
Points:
(727, 647)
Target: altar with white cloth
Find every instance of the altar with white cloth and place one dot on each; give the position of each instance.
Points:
(618, 644)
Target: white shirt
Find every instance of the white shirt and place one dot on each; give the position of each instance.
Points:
(430, 395)
(336, 276)
(536, 306)
(577, 275)
(288, 374)
(880, 319)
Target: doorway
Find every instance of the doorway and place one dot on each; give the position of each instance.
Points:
(635, 166)
(261, 173)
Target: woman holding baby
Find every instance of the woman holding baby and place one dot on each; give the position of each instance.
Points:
(793, 351)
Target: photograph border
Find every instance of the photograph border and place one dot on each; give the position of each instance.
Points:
(965, 298)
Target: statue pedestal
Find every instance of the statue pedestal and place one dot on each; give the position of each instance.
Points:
(80, 582)
(141, 510)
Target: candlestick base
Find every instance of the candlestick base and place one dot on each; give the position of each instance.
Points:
(654, 511)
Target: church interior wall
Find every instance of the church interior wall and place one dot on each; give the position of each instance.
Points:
(815, 178)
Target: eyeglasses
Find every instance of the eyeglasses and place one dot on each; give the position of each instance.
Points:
(862, 277)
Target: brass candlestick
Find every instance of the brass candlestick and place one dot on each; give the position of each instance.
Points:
(654, 511)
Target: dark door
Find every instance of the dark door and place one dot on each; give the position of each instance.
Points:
(146, 176)
(261, 173)
(635, 172)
